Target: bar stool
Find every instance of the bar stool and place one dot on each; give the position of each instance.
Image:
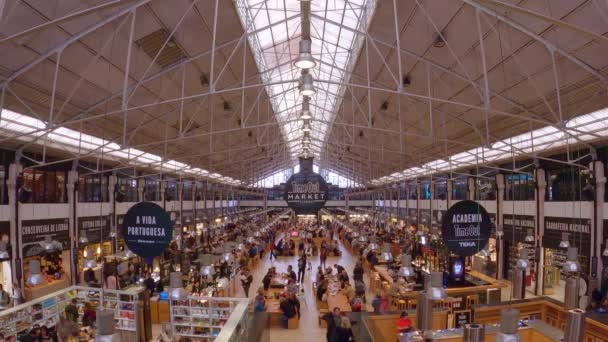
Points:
(472, 300)
(412, 304)
(402, 305)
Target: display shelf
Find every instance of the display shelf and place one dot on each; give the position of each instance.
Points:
(201, 318)
(47, 309)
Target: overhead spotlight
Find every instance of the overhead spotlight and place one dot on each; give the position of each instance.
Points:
(564, 243)
(204, 80)
(406, 81)
(439, 41)
(529, 236)
(227, 106)
(307, 88)
(384, 106)
(305, 109)
(306, 127)
(305, 59)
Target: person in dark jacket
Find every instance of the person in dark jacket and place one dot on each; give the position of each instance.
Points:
(266, 280)
(288, 311)
(333, 320)
(358, 272)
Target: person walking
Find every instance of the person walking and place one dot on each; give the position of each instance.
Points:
(272, 247)
(301, 268)
(323, 257)
(246, 280)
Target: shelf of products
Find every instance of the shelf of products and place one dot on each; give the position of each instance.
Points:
(201, 317)
(46, 310)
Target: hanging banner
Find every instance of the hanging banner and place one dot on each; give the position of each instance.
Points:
(147, 229)
(95, 228)
(466, 228)
(306, 192)
(33, 233)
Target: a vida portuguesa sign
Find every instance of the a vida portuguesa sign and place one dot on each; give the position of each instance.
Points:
(466, 228)
(306, 191)
(147, 229)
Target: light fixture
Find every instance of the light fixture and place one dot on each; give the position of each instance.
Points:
(522, 262)
(571, 264)
(484, 252)
(406, 269)
(423, 240)
(113, 232)
(128, 253)
(306, 127)
(83, 237)
(307, 88)
(509, 319)
(176, 291)
(564, 243)
(529, 236)
(436, 290)
(305, 59)
(35, 278)
(434, 234)
(106, 326)
(3, 250)
(50, 245)
(605, 253)
(89, 261)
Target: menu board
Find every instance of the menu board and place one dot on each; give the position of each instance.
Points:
(462, 318)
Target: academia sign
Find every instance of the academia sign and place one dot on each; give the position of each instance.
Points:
(306, 191)
(466, 228)
(147, 229)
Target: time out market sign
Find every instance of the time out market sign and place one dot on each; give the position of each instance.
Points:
(147, 229)
(466, 228)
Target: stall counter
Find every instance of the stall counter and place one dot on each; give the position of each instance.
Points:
(34, 292)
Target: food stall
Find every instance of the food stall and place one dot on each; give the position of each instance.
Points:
(94, 240)
(47, 242)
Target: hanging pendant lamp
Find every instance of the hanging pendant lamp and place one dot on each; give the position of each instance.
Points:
(564, 243)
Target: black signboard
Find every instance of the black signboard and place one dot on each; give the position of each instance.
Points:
(579, 233)
(95, 228)
(306, 191)
(147, 229)
(33, 233)
(461, 318)
(466, 228)
(515, 227)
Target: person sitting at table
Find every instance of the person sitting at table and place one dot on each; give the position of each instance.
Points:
(292, 286)
(339, 268)
(343, 276)
(404, 324)
(259, 304)
(5, 298)
(319, 275)
(266, 280)
(291, 274)
(296, 303)
(347, 290)
(328, 271)
(288, 310)
(373, 260)
(322, 288)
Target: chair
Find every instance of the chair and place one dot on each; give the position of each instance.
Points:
(472, 300)
(402, 305)
(293, 323)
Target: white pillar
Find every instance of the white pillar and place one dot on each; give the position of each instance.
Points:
(112, 180)
(449, 185)
(163, 189)
(541, 188)
(471, 188)
(141, 186)
(500, 196)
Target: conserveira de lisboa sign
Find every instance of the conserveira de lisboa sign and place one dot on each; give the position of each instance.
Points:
(466, 228)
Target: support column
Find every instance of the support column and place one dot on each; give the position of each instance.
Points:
(449, 186)
(541, 188)
(74, 234)
(112, 180)
(471, 188)
(14, 170)
(418, 187)
(432, 222)
(163, 193)
(600, 189)
(500, 199)
(141, 186)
